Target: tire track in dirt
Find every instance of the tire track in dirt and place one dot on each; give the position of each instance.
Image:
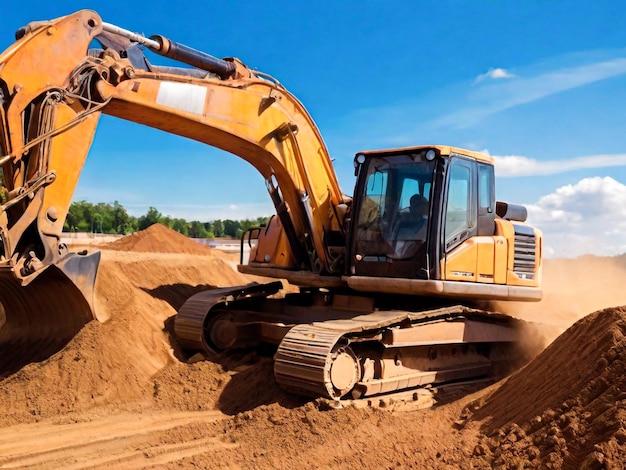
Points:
(126, 440)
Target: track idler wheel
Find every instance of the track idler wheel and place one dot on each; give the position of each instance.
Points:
(221, 332)
(344, 371)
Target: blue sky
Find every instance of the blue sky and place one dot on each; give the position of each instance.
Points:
(540, 85)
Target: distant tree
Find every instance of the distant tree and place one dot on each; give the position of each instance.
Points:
(231, 227)
(152, 217)
(208, 226)
(133, 225)
(121, 220)
(197, 230)
(96, 222)
(84, 216)
(105, 217)
(79, 217)
(181, 226)
(246, 224)
(73, 218)
(218, 228)
(167, 221)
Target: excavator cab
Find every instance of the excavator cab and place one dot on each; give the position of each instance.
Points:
(458, 242)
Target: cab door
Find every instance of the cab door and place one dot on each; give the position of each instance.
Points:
(469, 213)
(460, 211)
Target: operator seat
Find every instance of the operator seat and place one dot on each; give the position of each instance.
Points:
(410, 228)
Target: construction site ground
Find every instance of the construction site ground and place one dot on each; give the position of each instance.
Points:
(119, 395)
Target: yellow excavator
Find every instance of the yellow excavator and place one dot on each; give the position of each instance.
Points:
(389, 278)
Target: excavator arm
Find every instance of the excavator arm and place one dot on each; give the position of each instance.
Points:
(54, 89)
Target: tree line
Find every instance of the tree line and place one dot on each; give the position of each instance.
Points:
(113, 218)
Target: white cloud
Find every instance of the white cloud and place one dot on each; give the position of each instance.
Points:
(494, 96)
(515, 165)
(586, 217)
(494, 74)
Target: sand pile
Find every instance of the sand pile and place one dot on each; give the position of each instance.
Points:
(567, 408)
(159, 239)
(111, 363)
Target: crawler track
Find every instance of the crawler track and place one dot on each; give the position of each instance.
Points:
(330, 350)
(384, 352)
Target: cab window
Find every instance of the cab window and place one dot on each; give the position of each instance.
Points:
(460, 214)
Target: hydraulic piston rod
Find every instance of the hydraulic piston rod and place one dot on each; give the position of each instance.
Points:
(188, 55)
(176, 51)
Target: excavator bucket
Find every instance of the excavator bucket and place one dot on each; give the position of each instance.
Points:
(39, 319)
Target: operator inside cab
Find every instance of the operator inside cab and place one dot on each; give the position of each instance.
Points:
(409, 229)
(418, 211)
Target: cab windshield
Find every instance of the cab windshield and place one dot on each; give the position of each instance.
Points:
(395, 206)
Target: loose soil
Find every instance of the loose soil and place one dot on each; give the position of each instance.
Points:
(122, 395)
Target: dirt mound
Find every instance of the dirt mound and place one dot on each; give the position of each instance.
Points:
(159, 239)
(119, 395)
(567, 408)
(112, 363)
